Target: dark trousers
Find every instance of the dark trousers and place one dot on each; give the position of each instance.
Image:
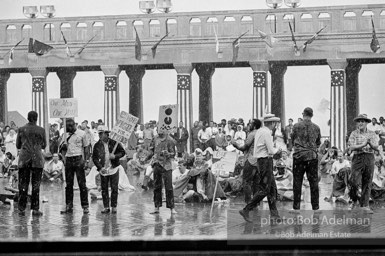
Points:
(264, 186)
(249, 172)
(24, 178)
(311, 169)
(159, 174)
(75, 165)
(362, 165)
(114, 182)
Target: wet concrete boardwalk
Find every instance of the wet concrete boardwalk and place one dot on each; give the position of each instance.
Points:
(192, 221)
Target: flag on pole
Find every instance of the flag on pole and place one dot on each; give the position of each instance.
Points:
(375, 44)
(314, 37)
(68, 51)
(38, 47)
(296, 49)
(236, 44)
(153, 49)
(269, 40)
(11, 52)
(85, 45)
(138, 46)
(216, 39)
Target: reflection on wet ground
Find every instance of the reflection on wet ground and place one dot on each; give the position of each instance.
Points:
(192, 221)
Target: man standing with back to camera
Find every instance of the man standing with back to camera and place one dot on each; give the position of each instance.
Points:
(30, 141)
(77, 152)
(306, 138)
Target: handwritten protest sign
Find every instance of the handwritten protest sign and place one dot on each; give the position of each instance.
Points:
(168, 118)
(63, 108)
(124, 127)
(224, 163)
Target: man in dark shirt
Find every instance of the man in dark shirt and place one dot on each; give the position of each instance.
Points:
(30, 141)
(164, 152)
(194, 136)
(306, 139)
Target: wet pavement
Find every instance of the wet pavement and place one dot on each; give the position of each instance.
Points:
(192, 221)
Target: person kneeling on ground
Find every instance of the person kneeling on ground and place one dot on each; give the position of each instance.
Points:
(54, 169)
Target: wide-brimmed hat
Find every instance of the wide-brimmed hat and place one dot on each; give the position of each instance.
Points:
(103, 128)
(362, 117)
(271, 118)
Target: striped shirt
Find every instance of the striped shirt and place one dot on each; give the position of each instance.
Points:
(357, 137)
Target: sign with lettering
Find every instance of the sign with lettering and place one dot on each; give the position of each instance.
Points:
(124, 127)
(168, 118)
(63, 108)
(223, 163)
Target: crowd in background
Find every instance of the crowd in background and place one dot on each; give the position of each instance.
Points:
(204, 138)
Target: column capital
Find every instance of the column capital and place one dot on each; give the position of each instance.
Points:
(205, 69)
(66, 73)
(337, 63)
(110, 70)
(184, 69)
(259, 65)
(38, 71)
(354, 66)
(4, 75)
(135, 72)
(277, 68)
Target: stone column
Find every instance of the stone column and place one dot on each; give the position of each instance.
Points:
(338, 103)
(205, 72)
(4, 76)
(39, 98)
(184, 96)
(277, 71)
(352, 94)
(135, 75)
(260, 92)
(111, 94)
(66, 76)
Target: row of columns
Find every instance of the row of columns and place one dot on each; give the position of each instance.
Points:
(343, 93)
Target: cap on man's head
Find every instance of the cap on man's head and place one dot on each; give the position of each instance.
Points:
(308, 112)
(85, 121)
(103, 128)
(100, 121)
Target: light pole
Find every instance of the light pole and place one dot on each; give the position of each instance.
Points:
(30, 12)
(48, 11)
(148, 6)
(293, 4)
(274, 4)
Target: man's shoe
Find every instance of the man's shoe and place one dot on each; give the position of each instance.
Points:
(114, 210)
(37, 213)
(156, 211)
(173, 211)
(354, 205)
(245, 214)
(86, 211)
(104, 211)
(67, 211)
(367, 209)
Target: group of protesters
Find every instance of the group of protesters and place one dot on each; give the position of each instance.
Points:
(272, 162)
